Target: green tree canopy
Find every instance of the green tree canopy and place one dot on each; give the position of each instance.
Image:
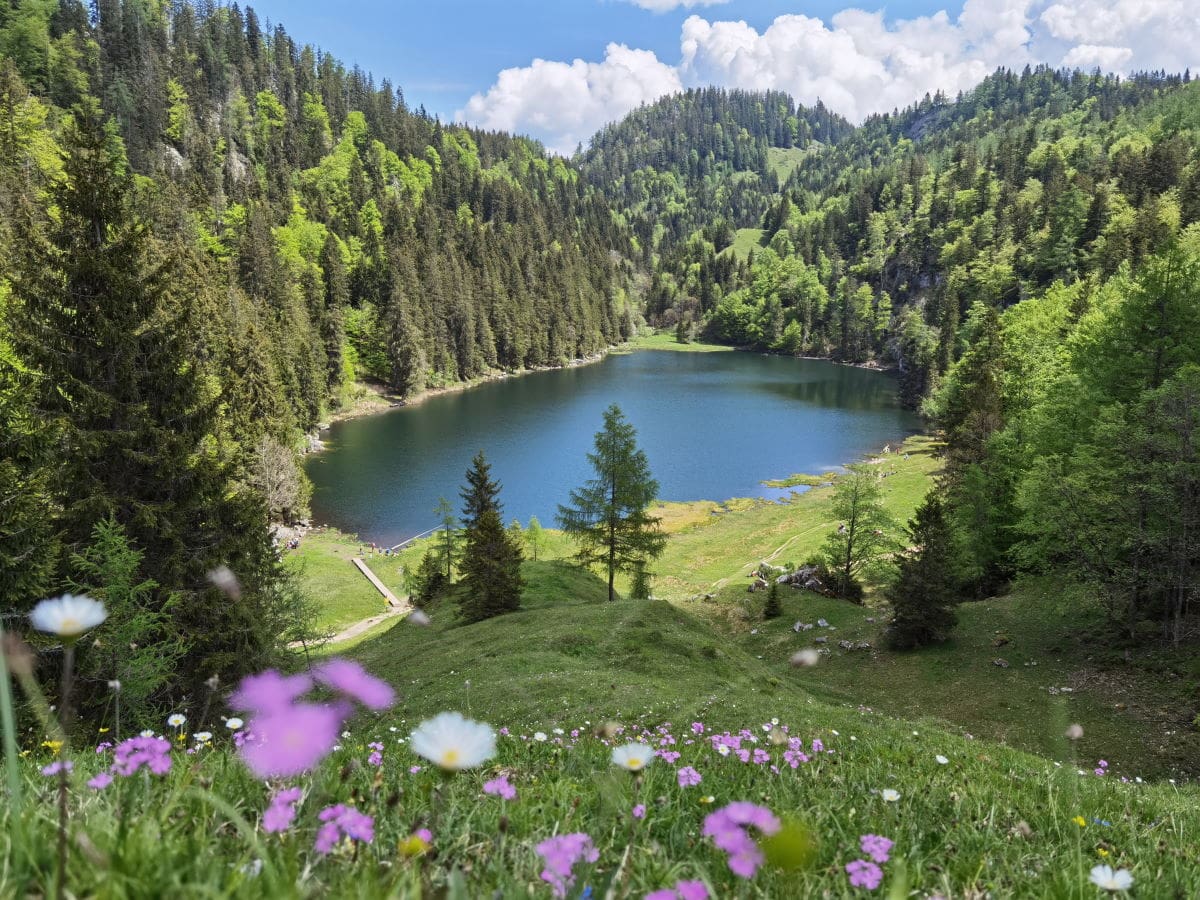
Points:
(607, 517)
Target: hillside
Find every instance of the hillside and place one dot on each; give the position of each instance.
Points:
(274, 226)
(552, 676)
(707, 159)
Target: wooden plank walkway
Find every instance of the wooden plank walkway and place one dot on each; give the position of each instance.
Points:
(379, 585)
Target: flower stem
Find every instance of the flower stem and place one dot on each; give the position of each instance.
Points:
(8, 723)
(65, 723)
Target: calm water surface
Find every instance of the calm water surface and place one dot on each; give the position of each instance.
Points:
(712, 424)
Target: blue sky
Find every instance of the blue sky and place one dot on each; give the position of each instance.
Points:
(443, 51)
(560, 70)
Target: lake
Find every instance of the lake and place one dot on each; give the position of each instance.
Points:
(713, 426)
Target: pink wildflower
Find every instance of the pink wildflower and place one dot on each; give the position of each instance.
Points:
(818, 745)
(152, 752)
(343, 821)
(282, 811)
(877, 847)
(864, 874)
(669, 756)
(58, 766)
(291, 741)
(376, 757)
(348, 677)
(728, 829)
(697, 728)
(269, 692)
(561, 854)
(639, 811)
(683, 890)
(689, 777)
(500, 787)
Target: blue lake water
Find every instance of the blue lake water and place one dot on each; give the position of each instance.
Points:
(714, 425)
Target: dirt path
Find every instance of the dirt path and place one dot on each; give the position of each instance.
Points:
(359, 628)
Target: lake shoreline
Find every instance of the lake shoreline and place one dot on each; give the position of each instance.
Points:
(382, 399)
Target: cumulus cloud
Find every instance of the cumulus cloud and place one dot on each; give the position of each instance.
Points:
(566, 103)
(662, 6)
(857, 64)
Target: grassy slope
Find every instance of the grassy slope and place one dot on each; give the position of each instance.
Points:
(713, 547)
(785, 161)
(344, 595)
(744, 241)
(571, 660)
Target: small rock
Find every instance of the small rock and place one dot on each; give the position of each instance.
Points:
(1001, 663)
(822, 640)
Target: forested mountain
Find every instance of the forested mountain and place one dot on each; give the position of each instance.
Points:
(706, 159)
(1027, 256)
(207, 233)
(878, 247)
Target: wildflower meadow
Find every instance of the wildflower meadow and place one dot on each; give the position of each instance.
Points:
(316, 788)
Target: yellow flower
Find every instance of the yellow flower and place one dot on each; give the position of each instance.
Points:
(54, 746)
(1080, 821)
(1102, 852)
(104, 731)
(413, 846)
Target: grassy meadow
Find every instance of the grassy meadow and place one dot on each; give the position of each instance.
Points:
(962, 764)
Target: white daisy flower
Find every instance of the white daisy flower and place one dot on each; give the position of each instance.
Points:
(202, 737)
(539, 735)
(68, 616)
(454, 742)
(1105, 878)
(889, 795)
(176, 720)
(148, 733)
(234, 724)
(633, 757)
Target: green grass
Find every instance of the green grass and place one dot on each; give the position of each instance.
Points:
(744, 241)
(994, 821)
(800, 480)
(344, 595)
(784, 161)
(665, 340)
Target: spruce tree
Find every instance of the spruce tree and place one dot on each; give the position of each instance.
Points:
(103, 315)
(773, 609)
(925, 590)
(608, 515)
(480, 492)
(447, 542)
(491, 563)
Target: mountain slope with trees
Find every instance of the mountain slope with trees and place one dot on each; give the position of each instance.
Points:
(208, 234)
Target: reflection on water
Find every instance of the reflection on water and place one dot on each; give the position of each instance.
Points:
(712, 424)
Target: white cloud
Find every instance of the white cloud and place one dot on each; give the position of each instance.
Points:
(662, 6)
(859, 63)
(566, 103)
(1092, 56)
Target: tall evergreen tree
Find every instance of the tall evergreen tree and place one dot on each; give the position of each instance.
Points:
(491, 563)
(480, 493)
(607, 516)
(103, 320)
(924, 592)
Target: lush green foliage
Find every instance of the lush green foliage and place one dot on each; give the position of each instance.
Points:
(491, 563)
(608, 515)
(925, 589)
